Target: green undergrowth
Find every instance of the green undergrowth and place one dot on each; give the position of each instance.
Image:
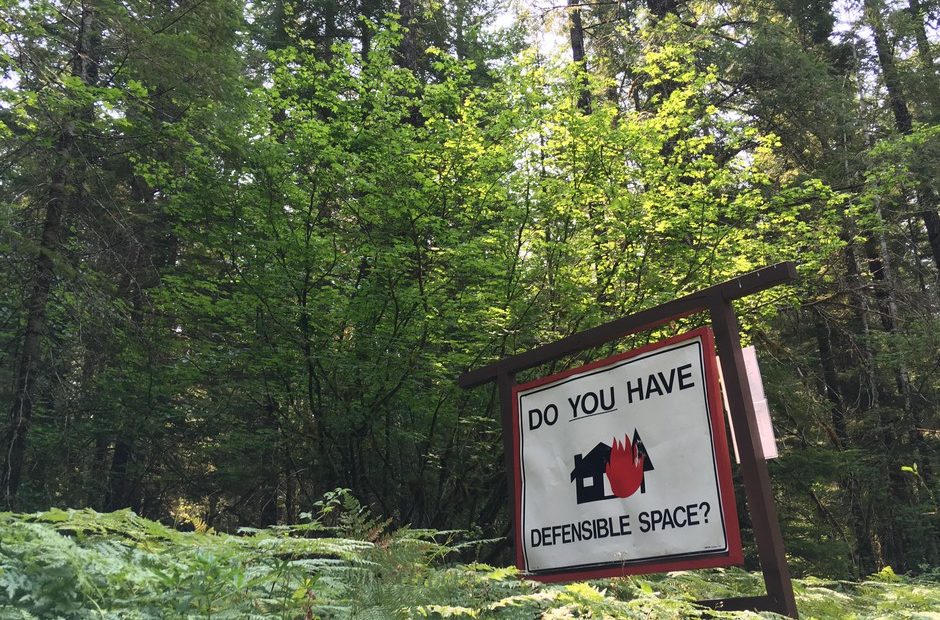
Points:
(84, 564)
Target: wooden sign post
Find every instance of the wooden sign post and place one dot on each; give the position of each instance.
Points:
(715, 300)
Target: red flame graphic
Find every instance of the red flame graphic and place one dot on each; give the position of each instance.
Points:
(625, 468)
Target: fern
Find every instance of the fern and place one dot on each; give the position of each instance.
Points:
(345, 563)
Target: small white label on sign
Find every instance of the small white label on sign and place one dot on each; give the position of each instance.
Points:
(765, 426)
(617, 463)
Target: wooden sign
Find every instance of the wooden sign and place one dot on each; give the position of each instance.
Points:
(538, 558)
(622, 466)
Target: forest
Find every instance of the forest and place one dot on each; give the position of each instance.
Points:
(246, 249)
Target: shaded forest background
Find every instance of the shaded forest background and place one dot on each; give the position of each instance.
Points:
(247, 248)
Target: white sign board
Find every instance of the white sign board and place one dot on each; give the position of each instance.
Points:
(622, 466)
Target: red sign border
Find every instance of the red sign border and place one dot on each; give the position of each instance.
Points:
(734, 556)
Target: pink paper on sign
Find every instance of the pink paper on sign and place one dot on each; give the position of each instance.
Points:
(765, 427)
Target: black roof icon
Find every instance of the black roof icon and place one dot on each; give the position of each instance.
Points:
(593, 462)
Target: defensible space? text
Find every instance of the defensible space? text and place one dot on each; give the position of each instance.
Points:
(606, 527)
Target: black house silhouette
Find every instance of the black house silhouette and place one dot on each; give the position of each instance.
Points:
(588, 474)
(590, 469)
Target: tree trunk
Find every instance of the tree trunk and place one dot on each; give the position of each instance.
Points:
(367, 9)
(13, 444)
(662, 8)
(902, 117)
(116, 495)
(576, 34)
(408, 51)
(862, 526)
(269, 484)
(408, 48)
(329, 32)
(889, 70)
(863, 555)
(830, 382)
(14, 441)
(925, 56)
(879, 264)
(925, 199)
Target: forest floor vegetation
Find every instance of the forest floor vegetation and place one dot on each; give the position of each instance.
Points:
(345, 564)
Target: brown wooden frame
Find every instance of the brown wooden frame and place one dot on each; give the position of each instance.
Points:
(716, 300)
